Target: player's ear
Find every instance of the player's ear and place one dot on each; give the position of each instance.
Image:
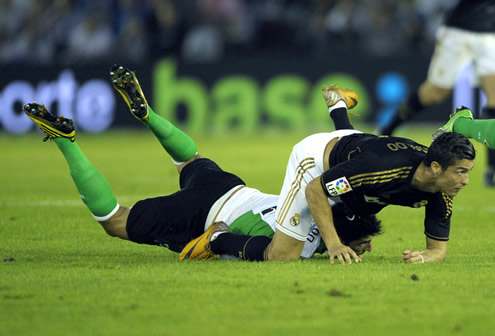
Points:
(436, 168)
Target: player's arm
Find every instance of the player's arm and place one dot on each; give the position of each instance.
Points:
(437, 228)
(436, 250)
(322, 214)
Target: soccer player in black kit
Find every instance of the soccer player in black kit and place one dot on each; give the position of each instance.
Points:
(366, 173)
(467, 35)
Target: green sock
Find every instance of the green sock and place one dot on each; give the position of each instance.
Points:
(178, 144)
(92, 186)
(482, 130)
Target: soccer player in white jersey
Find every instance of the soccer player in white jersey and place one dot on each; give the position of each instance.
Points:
(210, 199)
(467, 35)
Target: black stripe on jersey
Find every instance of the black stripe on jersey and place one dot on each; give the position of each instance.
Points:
(380, 177)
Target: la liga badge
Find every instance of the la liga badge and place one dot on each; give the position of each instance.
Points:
(338, 187)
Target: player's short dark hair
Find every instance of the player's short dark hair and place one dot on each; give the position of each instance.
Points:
(354, 227)
(448, 148)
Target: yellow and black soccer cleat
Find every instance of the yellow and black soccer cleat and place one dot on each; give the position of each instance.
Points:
(127, 84)
(333, 94)
(54, 127)
(199, 248)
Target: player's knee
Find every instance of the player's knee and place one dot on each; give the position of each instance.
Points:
(184, 164)
(430, 94)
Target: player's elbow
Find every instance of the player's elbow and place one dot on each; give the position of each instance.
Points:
(284, 252)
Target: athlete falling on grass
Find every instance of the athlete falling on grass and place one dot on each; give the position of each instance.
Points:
(366, 173)
(210, 199)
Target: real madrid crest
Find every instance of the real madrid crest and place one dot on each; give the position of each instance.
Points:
(295, 220)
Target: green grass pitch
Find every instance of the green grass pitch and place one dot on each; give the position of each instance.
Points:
(60, 274)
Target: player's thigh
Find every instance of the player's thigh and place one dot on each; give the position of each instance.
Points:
(115, 226)
(284, 247)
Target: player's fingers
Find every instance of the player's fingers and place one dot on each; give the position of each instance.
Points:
(405, 252)
(415, 257)
(354, 256)
(331, 257)
(341, 258)
(346, 257)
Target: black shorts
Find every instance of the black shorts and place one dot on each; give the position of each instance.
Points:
(174, 220)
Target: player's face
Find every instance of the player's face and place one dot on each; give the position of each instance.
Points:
(361, 245)
(455, 177)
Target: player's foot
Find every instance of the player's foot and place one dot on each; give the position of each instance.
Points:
(333, 95)
(126, 82)
(54, 127)
(199, 248)
(460, 112)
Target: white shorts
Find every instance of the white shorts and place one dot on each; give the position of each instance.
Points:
(455, 48)
(305, 164)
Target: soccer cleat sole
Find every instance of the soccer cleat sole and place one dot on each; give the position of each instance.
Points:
(127, 84)
(52, 126)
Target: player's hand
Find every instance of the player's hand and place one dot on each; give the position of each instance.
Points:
(413, 257)
(344, 253)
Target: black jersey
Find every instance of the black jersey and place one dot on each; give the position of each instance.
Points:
(472, 15)
(368, 173)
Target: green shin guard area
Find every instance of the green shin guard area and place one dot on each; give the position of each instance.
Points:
(93, 187)
(178, 144)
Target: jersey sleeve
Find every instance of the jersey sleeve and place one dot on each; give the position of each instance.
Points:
(437, 217)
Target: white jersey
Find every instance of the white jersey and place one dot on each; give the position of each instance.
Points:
(238, 202)
(249, 211)
(294, 217)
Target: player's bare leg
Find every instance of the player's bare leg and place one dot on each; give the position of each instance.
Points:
(430, 94)
(427, 94)
(179, 145)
